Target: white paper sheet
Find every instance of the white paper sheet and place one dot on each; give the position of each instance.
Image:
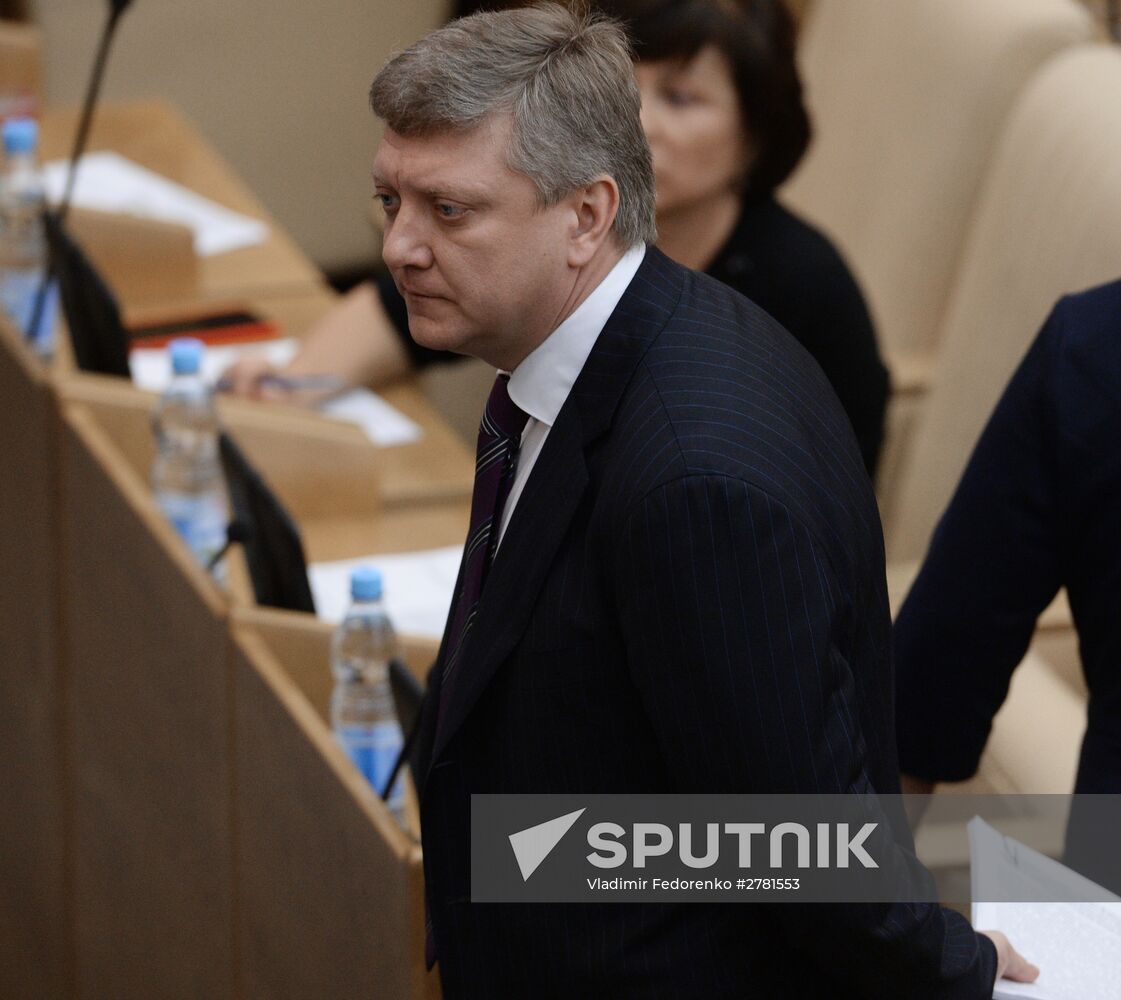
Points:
(1076, 944)
(108, 182)
(383, 424)
(1077, 947)
(418, 588)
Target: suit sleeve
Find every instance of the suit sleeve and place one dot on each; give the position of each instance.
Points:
(994, 564)
(734, 626)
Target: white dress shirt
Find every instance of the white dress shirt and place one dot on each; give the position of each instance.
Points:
(542, 382)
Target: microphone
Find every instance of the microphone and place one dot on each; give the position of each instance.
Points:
(237, 533)
(116, 9)
(408, 701)
(402, 759)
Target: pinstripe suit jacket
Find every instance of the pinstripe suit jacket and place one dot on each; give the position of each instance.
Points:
(689, 597)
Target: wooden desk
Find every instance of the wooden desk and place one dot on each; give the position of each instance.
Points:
(325, 873)
(34, 866)
(158, 137)
(165, 737)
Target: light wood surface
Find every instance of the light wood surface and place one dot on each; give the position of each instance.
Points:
(35, 956)
(142, 260)
(146, 646)
(439, 467)
(328, 475)
(156, 136)
(404, 529)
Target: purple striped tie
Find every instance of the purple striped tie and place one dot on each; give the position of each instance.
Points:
(500, 435)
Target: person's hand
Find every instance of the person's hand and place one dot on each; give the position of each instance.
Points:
(251, 376)
(1010, 964)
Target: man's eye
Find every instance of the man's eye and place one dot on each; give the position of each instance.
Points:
(388, 201)
(446, 211)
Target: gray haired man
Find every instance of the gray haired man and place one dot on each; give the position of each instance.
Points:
(673, 580)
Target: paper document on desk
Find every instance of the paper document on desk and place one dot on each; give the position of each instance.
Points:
(384, 424)
(1077, 944)
(108, 182)
(418, 588)
(151, 366)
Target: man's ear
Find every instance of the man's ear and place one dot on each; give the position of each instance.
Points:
(594, 208)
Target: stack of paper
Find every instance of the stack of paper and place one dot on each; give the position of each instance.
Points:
(1075, 940)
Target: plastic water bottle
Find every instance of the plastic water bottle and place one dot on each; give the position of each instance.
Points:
(186, 475)
(362, 713)
(23, 247)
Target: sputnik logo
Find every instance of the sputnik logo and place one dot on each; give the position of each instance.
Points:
(535, 843)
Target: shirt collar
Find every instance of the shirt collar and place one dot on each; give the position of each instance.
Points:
(542, 382)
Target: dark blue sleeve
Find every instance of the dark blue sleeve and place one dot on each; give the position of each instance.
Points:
(994, 564)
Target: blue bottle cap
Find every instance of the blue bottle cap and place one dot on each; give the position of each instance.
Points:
(186, 355)
(21, 135)
(365, 584)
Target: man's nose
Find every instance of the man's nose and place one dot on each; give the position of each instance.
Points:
(405, 243)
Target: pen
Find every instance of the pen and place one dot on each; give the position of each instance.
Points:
(292, 383)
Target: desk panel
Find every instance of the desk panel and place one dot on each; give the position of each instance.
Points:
(146, 648)
(35, 957)
(330, 888)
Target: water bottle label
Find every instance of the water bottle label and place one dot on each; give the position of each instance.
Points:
(18, 292)
(200, 521)
(374, 750)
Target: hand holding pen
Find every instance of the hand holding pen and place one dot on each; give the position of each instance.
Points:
(256, 378)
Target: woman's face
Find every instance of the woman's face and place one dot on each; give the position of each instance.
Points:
(691, 114)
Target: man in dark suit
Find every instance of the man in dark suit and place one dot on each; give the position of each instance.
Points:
(1037, 508)
(673, 580)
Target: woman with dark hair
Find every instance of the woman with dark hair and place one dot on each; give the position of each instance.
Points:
(722, 108)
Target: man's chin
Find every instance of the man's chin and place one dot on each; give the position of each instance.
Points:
(436, 336)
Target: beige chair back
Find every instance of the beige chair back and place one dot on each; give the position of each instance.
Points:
(1048, 222)
(907, 99)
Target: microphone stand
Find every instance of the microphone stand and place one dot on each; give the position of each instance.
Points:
(116, 9)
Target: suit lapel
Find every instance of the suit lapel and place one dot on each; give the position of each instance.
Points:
(556, 486)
